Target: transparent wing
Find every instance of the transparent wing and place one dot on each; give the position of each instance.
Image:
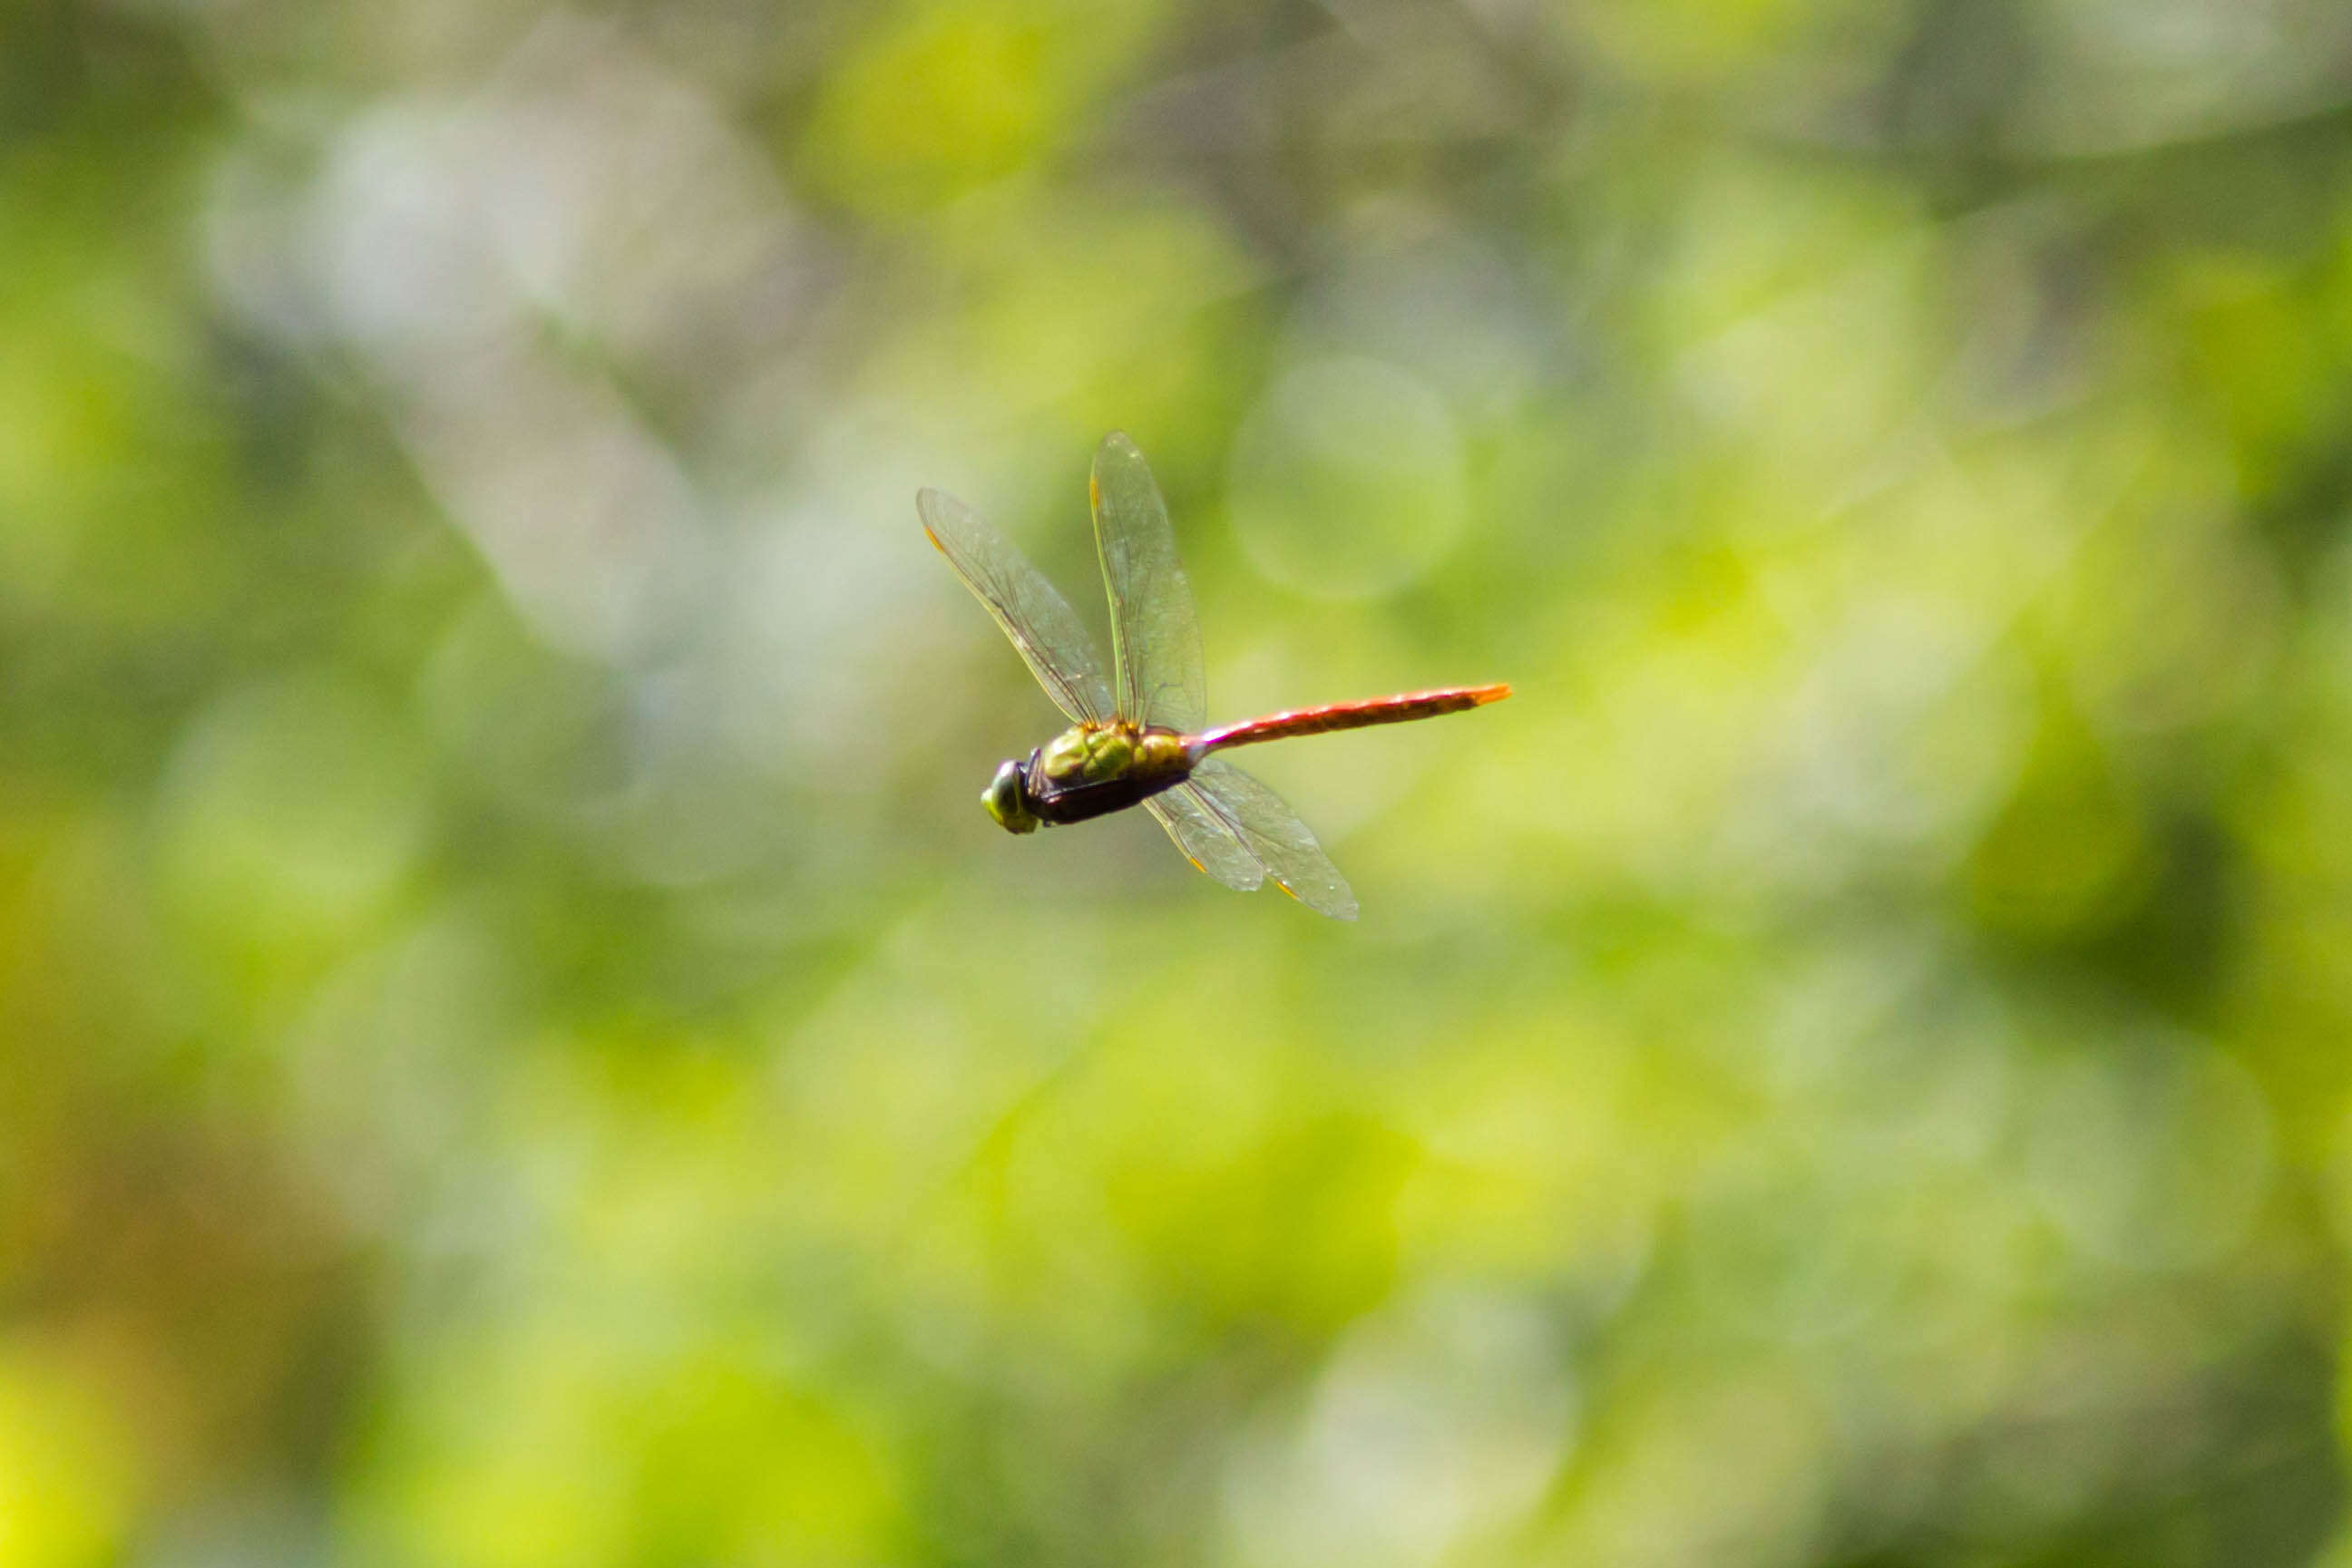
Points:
(1040, 621)
(1206, 842)
(1274, 837)
(1155, 635)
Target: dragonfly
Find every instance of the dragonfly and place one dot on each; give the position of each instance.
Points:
(1139, 734)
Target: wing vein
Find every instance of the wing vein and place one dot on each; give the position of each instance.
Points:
(1035, 618)
(1155, 630)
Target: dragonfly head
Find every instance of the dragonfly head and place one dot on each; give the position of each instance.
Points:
(1007, 800)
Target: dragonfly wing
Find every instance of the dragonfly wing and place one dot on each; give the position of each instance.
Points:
(1274, 836)
(1155, 634)
(1040, 621)
(1205, 839)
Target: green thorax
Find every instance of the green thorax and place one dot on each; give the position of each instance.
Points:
(1089, 771)
(1087, 755)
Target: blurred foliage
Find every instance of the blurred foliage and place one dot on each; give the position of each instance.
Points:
(521, 1049)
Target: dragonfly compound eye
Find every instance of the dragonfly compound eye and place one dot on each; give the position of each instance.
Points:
(1007, 800)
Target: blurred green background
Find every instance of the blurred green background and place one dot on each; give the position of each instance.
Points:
(519, 1046)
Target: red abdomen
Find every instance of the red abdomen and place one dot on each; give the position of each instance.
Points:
(1352, 715)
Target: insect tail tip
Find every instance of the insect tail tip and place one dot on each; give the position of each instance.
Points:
(1492, 694)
